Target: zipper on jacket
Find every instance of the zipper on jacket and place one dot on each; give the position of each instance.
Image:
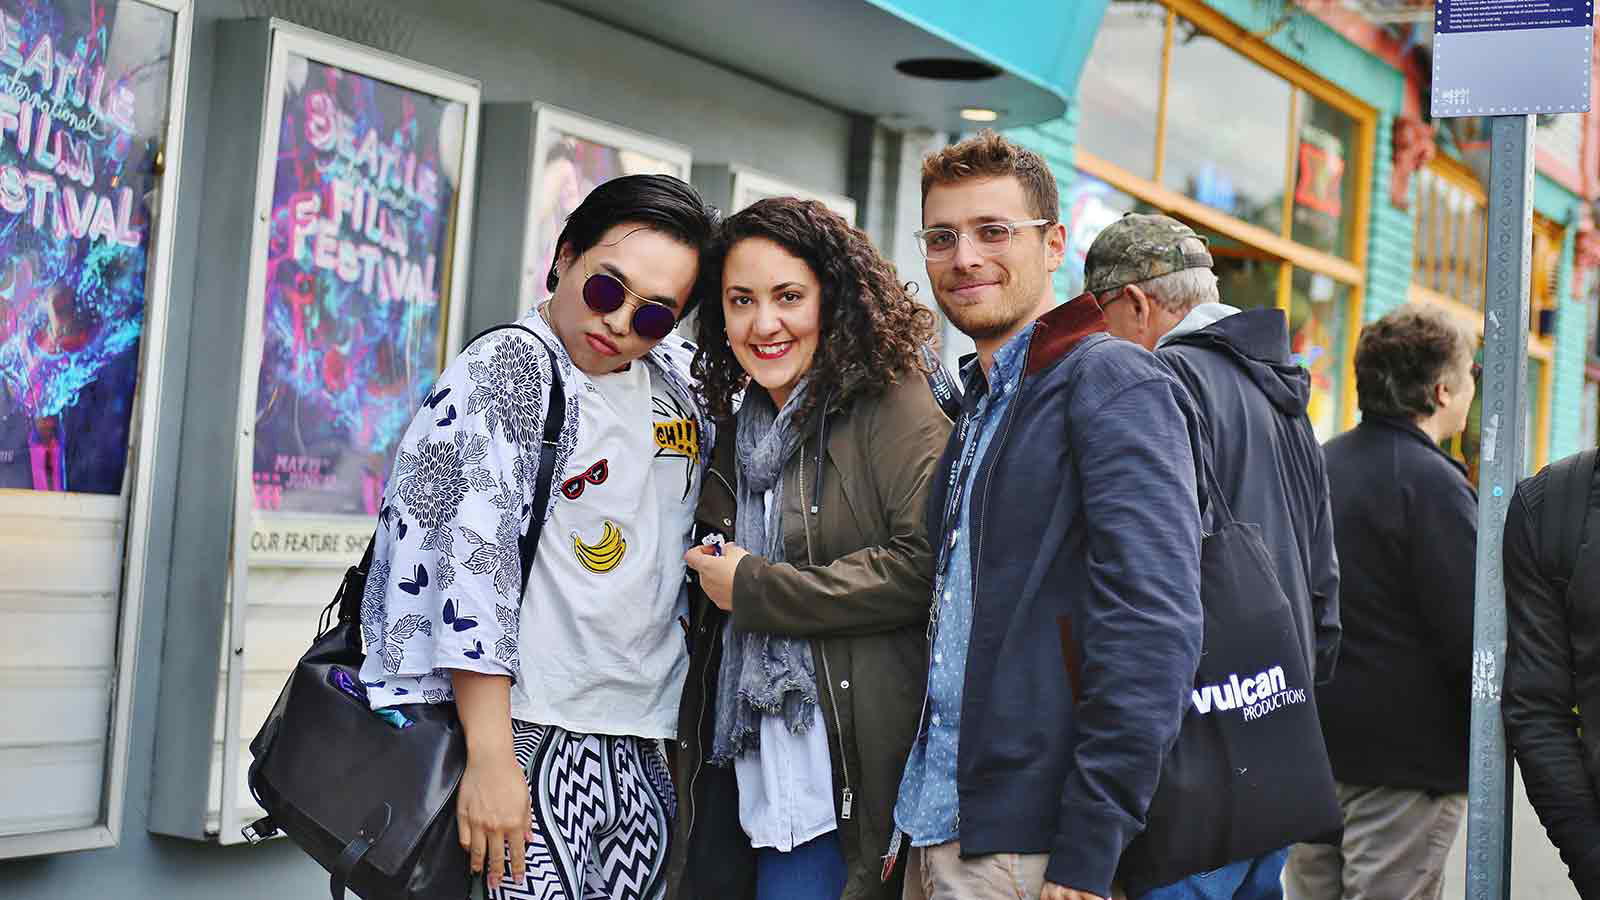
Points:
(700, 758)
(983, 502)
(846, 796)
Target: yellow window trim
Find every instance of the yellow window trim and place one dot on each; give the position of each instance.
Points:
(1349, 271)
(1248, 44)
(1458, 173)
(1538, 348)
(1192, 210)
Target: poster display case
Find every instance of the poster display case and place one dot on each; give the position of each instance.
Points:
(92, 102)
(572, 154)
(348, 255)
(732, 187)
(750, 185)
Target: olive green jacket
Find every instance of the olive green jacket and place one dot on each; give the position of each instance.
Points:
(858, 583)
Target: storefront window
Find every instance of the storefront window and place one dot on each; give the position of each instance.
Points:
(1088, 205)
(1324, 183)
(1548, 241)
(1246, 277)
(1119, 92)
(1317, 322)
(1227, 129)
(1263, 160)
(1450, 217)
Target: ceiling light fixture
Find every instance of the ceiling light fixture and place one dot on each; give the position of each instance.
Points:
(978, 114)
(944, 68)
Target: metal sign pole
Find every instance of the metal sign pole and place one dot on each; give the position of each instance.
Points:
(1503, 423)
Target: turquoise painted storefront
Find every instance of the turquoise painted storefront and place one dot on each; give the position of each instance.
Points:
(1306, 41)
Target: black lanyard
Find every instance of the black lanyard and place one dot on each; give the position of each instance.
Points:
(957, 487)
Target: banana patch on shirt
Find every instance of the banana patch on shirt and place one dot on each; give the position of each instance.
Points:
(604, 555)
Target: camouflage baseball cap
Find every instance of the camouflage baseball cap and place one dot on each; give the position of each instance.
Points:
(1139, 247)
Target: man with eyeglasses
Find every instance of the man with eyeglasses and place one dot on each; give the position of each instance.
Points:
(565, 689)
(1067, 620)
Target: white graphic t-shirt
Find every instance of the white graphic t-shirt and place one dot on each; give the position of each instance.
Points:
(594, 644)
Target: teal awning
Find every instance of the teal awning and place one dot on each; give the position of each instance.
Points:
(1042, 41)
(843, 52)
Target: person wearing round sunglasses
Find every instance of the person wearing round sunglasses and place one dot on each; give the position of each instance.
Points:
(567, 684)
(809, 628)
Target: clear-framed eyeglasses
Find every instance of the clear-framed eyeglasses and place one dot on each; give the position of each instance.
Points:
(989, 239)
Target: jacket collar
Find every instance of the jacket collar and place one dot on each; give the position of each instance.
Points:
(1409, 428)
(1058, 331)
(1054, 335)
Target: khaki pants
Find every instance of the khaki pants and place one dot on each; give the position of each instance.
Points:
(939, 873)
(1395, 845)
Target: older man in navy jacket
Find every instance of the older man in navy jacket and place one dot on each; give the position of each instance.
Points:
(1152, 275)
(1067, 591)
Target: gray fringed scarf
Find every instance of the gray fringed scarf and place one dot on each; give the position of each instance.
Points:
(762, 674)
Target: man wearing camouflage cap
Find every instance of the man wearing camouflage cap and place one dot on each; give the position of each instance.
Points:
(1152, 276)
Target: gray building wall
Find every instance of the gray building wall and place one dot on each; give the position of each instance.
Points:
(520, 50)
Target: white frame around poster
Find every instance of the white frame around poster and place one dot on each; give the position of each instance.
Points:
(138, 484)
(752, 181)
(547, 121)
(287, 39)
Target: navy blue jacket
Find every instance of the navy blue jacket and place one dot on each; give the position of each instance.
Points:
(1251, 399)
(1086, 601)
(1399, 710)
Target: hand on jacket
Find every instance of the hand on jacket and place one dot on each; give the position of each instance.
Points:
(716, 572)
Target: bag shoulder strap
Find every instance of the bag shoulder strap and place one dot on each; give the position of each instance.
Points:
(349, 600)
(1561, 520)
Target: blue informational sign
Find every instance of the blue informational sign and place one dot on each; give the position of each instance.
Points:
(1511, 57)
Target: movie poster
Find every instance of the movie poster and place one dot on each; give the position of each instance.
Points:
(84, 94)
(574, 161)
(364, 207)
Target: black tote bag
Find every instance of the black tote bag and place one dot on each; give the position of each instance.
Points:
(373, 803)
(1249, 773)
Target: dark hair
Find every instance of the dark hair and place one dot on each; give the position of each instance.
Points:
(872, 331)
(1400, 357)
(988, 155)
(659, 202)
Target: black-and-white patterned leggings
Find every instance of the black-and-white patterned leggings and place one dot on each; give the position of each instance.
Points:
(602, 816)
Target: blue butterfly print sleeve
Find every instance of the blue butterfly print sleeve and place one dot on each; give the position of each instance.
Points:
(445, 587)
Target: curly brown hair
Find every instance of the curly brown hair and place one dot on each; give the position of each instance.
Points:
(872, 330)
(988, 155)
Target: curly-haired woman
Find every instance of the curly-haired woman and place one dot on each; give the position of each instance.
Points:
(808, 648)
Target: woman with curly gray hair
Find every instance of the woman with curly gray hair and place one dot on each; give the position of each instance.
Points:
(1395, 714)
(808, 649)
